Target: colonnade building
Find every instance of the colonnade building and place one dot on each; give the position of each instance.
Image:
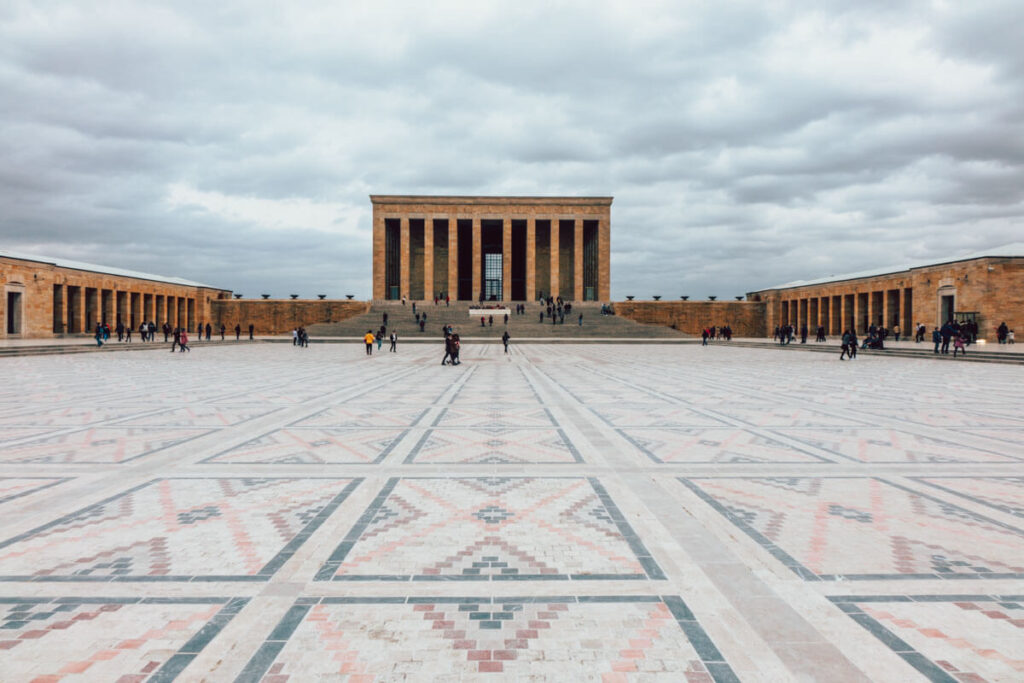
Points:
(985, 287)
(46, 297)
(491, 248)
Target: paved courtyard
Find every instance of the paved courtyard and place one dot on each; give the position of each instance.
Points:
(567, 512)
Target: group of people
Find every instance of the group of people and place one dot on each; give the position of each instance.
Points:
(148, 332)
(715, 332)
(300, 337)
(557, 310)
(1004, 335)
(452, 346)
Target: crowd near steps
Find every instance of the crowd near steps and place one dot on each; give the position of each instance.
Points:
(521, 327)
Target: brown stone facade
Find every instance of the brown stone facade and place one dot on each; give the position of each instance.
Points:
(43, 299)
(280, 316)
(988, 289)
(746, 318)
(491, 248)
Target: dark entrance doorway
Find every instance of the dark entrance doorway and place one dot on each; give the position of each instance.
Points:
(13, 312)
(946, 302)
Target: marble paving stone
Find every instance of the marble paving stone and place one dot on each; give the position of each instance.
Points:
(715, 445)
(178, 529)
(491, 528)
(610, 638)
(892, 445)
(864, 528)
(494, 446)
(313, 447)
(98, 445)
(564, 512)
(16, 487)
(1001, 493)
(201, 416)
(964, 638)
(106, 639)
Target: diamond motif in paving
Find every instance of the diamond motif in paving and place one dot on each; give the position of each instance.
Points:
(945, 417)
(100, 445)
(783, 415)
(80, 414)
(107, 639)
(313, 447)
(864, 528)
(495, 446)
(16, 487)
(16, 433)
(491, 528)
(201, 416)
(891, 445)
(1002, 493)
(699, 445)
(654, 415)
(958, 638)
(363, 415)
(178, 529)
(496, 417)
(613, 638)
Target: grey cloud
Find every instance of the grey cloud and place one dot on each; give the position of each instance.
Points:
(736, 161)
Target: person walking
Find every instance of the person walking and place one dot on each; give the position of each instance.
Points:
(447, 348)
(846, 345)
(506, 320)
(580, 321)
(251, 328)
(704, 334)
(394, 343)
(958, 345)
(99, 335)
(223, 329)
(490, 320)
(853, 344)
(936, 338)
(368, 339)
(504, 340)
(896, 332)
(456, 344)
(209, 329)
(183, 341)
(238, 331)
(128, 334)
(380, 339)
(177, 338)
(295, 336)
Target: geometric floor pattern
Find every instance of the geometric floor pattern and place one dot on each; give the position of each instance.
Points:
(658, 512)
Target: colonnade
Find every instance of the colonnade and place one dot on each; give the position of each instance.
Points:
(854, 310)
(78, 309)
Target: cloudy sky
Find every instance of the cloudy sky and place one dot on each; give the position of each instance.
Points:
(745, 143)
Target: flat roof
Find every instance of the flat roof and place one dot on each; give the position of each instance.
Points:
(483, 199)
(96, 268)
(1013, 250)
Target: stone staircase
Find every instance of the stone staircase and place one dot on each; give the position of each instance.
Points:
(520, 327)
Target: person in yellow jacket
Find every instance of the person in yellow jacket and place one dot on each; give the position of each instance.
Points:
(369, 339)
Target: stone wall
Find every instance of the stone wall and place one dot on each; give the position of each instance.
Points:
(280, 316)
(747, 318)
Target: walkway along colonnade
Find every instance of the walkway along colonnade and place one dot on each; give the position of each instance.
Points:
(491, 248)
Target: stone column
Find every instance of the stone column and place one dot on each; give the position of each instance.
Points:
(477, 261)
(77, 322)
(554, 257)
(428, 258)
(577, 260)
(506, 259)
(453, 257)
(531, 259)
(406, 253)
(60, 309)
(379, 258)
(604, 269)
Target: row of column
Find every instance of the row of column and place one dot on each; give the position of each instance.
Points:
(78, 309)
(857, 310)
(531, 249)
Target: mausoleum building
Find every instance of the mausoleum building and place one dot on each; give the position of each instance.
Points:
(491, 248)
